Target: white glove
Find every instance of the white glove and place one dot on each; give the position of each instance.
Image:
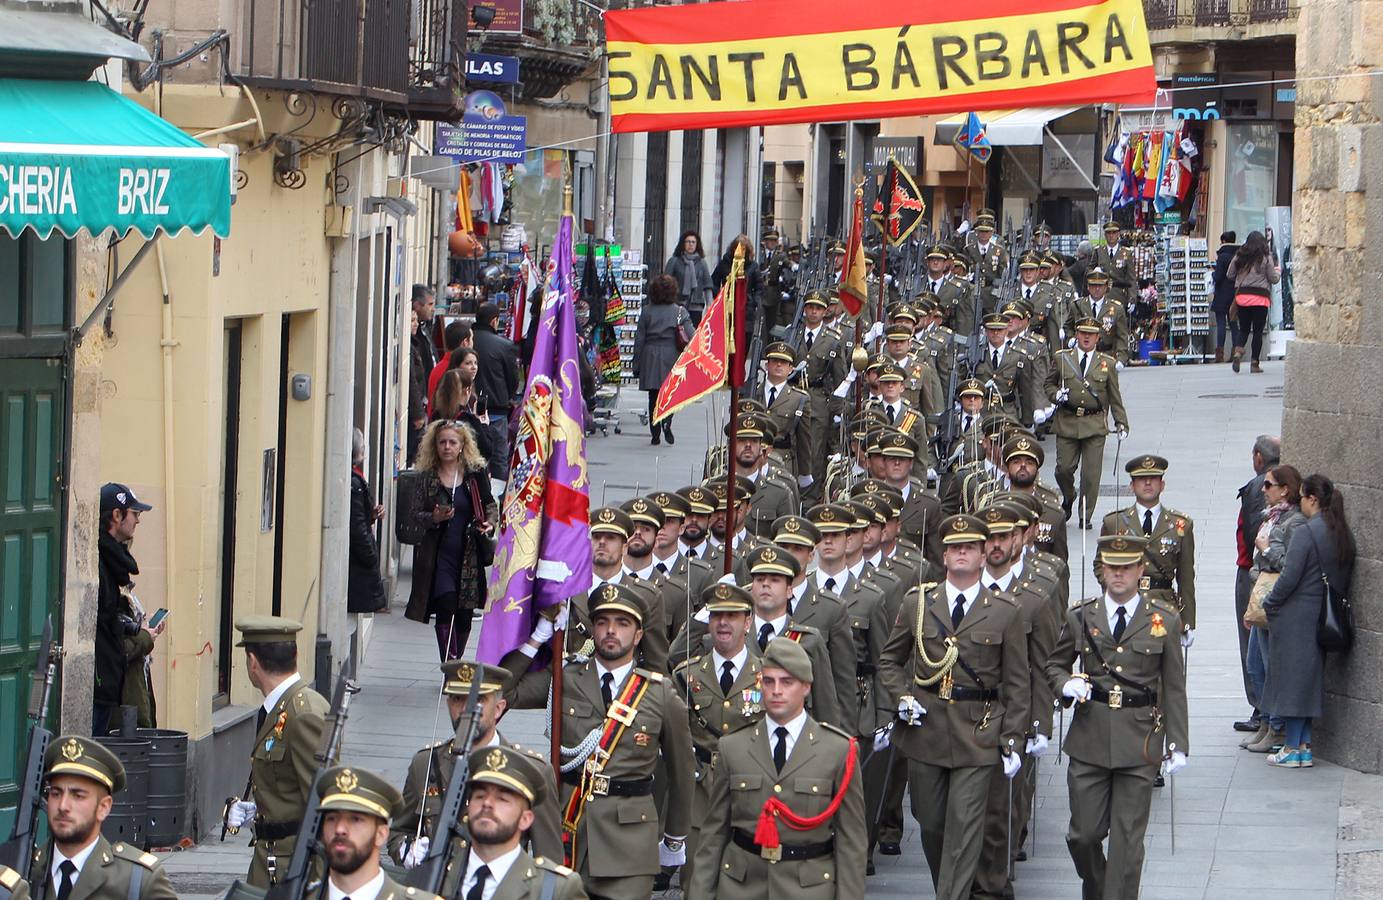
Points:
(1039, 416)
(805, 481)
(1061, 334)
(1188, 637)
(542, 631)
(1071, 342)
(561, 623)
(1012, 763)
(1063, 395)
(883, 737)
(1037, 746)
(669, 857)
(727, 578)
(1123, 433)
(1174, 763)
(417, 852)
(242, 812)
(844, 387)
(1118, 367)
(911, 712)
(1077, 689)
(931, 474)
(835, 420)
(874, 332)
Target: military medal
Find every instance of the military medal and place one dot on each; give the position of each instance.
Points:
(1158, 628)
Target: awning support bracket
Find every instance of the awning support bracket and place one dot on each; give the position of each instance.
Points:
(107, 303)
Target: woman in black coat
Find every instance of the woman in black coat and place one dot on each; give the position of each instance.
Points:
(752, 284)
(1224, 294)
(1295, 689)
(655, 346)
(364, 586)
(448, 574)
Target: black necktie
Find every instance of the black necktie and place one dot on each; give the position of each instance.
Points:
(892, 414)
(259, 719)
(1147, 521)
(727, 677)
(765, 635)
(69, 877)
(1027, 293)
(936, 287)
(607, 688)
(959, 612)
(831, 585)
(780, 749)
(691, 552)
(1120, 625)
(662, 569)
(1084, 362)
(967, 424)
(994, 586)
(478, 890)
(772, 395)
(996, 357)
(809, 342)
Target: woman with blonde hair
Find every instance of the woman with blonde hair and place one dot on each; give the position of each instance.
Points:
(459, 511)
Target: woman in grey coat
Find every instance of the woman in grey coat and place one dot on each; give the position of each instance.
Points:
(655, 346)
(688, 268)
(1295, 688)
(1281, 517)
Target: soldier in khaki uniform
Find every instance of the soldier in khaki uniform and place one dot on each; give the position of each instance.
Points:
(827, 356)
(670, 560)
(904, 417)
(957, 663)
(773, 495)
(608, 814)
(283, 763)
(790, 410)
(1023, 458)
(1057, 327)
(1007, 372)
(935, 341)
(988, 260)
(787, 768)
(1022, 336)
(1109, 313)
(505, 785)
(1170, 561)
(921, 512)
(1084, 390)
(80, 776)
(430, 770)
(1051, 569)
(922, 386)
(1116, 258)
(1130, 717)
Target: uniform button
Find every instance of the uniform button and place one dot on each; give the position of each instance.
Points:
(572, 711)
(697, 706)
(826, 876)
(1118, 649)
(814, 789)
(727, 705)
(724, 725)
(742, 784)
(777, 789)
(1118, 668)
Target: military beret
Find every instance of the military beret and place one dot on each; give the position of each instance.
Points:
(1148, 464)
(1121, 549)
(962, 529)
(610, 520)
(77, 755)
(349, 789)
(617, 598)
(769, 559)
(643, 510)
(508, 768)
(459, 674)
(726, 598)
(266, 630)
(795, 531)
(789, 656)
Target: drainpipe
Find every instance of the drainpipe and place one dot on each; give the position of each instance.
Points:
(166, 344)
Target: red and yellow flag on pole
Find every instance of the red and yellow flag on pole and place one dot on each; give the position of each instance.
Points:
(705, 362)
(854, 290)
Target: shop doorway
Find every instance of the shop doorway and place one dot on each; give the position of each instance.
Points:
(230, 481)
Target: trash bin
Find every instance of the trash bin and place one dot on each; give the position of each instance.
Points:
(1146, 349)
(167, 785)
(129, 815)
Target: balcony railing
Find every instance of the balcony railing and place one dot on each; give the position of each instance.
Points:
(1161, 14)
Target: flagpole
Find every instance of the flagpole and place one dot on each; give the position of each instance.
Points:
(736, 373)
(859, 358)
(559, 635)
(883, 245)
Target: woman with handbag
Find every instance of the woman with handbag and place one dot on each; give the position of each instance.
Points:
(664, 329)
(1254, 271)
(459, 512)
(1281, 517)
(1319, 562)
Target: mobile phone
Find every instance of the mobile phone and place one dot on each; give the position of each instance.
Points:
(157, 618)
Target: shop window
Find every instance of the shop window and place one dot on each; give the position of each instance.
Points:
(35, 285)
(48, 288)
(1250, 175)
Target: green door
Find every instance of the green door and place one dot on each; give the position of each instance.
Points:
(31, 443)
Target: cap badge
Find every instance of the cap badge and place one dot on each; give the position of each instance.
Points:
(466, 673)
(72, 750)
(958, 526)
(347, 782)
(494, 760)
(609, 592)
(769, 555)
(607, 515)
(791, 526)
(1024, 444)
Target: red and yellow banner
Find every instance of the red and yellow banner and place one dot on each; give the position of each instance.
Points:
(704, 364)
(773, 62)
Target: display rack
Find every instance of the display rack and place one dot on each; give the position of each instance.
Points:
(1184, 283)
(632, 278)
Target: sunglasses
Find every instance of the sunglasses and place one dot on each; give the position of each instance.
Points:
(1268, 484)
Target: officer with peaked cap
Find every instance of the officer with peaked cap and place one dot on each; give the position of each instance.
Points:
(904, 417)
(789, 409)
(827, 357)
(1007, 371)
(1109, 313)
(1023, 457)
(775, 494)
(1116, 258)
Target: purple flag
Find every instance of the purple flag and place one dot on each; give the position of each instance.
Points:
(543, 554)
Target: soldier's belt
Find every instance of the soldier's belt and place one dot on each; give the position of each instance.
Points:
(1115, 698)
(1148, 583)
(959, 694)
(274, 831)
(865, 669)
(745, 841)
(1082, 411)
(602, 786)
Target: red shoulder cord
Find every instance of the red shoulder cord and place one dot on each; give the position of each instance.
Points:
(766, 833)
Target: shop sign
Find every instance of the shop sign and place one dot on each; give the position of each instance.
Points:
(497, 69)
(487, 132)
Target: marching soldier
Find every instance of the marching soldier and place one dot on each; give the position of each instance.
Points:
(970, 398)
(1062, 296)
(609, 818)
(1030, 280)
(789, 768)
(922, 384)
(742, 541)
(1033, 345)
(1170, 562)
(773, 261)
(430, 770)
(1023, 459)
(673, 593)
(283, 762)
(935, 341)
(1109, 313)
(1084, 389)
(356, 808)
(953, 295)
(989, 262)
(827, 359)
(790, 412)
(668, 558)
(773, 496)
(1007, 372)
(80, 777)
(610, 531)
(921, 511)
(695, 543)
(1116, 259)
(1042, 237)
(905, 418)
(957, 664)
(1130, 701)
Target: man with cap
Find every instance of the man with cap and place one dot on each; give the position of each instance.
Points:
(283, 762)
(773, 496)
(1051, 570)
(123, 639)
(969, 411)
(1083, 388)
(786, 816)
(988, 260)
(80, 776)
(723, 693)
(1116, 259)
(1022, 336)
(789, 409)
(1170, 563)
(1006, 371)
(626, 719)
(1029, 287)
(957, 665)
(905, 418)
(356, 808)
(894, 553)
(773, 260)
(934, 340)
(741, 541)
(1042, 237)
(1023, 459)
(1130, 716)
(506, 785)
(827, 359)
(955, 296)
(1109, 313)
(1008, 579)
(921, 512)
(673, 596)
(611, 531)
(693, 543)
(975, 478)
(430, 770)
(668, 558)
(921, 385)
(1062, 295)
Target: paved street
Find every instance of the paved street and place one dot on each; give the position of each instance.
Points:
(1233, 813)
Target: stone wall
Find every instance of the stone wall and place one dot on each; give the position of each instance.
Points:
(1332, 417)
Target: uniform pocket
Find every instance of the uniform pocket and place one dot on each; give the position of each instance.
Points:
(746, 783)
(811, 795)
(1148, 648)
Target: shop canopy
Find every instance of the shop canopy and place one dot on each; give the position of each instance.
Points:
(1007, 127)
(76, 156)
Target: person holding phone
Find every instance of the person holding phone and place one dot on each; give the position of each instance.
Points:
(124, 638)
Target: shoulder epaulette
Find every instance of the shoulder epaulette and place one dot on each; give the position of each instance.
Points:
(414, 892)
(435, 745)
(1077, 603)
(655, 677)
(686, 663)
(9, 878)
(1165, 605)
(552, 866)
(832, 728)
(135, 855)
(801, 629)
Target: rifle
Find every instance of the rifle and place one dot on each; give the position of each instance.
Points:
(451, 821)
(18, 851)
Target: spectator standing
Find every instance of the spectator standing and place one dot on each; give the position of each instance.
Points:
(1281, 517)
(1267, 452)
(693, 276)
(1255, 271)
(456, 335)
(497, 380)
(123, 640)
(1223, 301)
(752, 282)
(1322, 548)
(417, 390)
(364, 586)
(448, 577)
(458, 400)
(663, 325)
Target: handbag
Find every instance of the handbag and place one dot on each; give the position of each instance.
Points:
(1233, 312)
(681, 336)
(409, 526)
(484, 542)
(1335, 627)
(1254, 614)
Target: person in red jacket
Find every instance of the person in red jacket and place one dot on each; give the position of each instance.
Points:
(456, 335)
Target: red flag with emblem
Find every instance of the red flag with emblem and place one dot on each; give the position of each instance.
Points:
(704, 363)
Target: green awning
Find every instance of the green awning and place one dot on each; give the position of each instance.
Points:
(75, 155)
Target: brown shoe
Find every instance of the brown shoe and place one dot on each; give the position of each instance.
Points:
(1219, 354)
(1255, 367)
(1254, 738)
(1267, 742)
(1238, 355)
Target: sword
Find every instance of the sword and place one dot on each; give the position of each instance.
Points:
(1032, 813)
(1172, 797)
(1008, 822)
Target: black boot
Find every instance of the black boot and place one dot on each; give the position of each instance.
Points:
(657, 435)
(667, 432)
